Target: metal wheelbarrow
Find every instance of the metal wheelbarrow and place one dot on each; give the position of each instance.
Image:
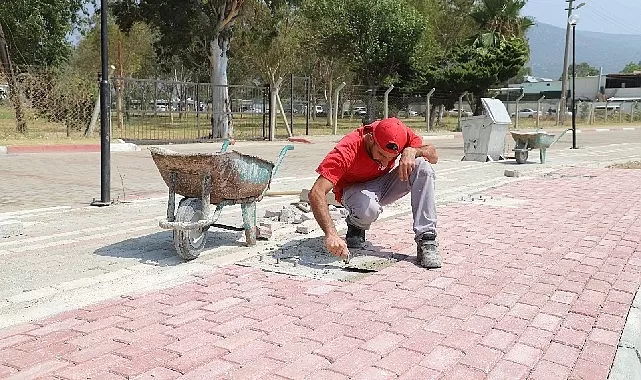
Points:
(528, 140)
(208, 182)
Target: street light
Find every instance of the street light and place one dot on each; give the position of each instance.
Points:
(574, 18)
(564, 76)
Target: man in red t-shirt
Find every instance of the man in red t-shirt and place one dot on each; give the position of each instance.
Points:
(362, 171)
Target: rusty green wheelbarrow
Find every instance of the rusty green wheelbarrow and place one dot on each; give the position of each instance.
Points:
(208, 182)
(528, 140)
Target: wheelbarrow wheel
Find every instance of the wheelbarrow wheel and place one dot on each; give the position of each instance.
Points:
(521, 156)
(189, 243)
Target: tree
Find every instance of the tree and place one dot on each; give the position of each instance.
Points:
(34, 34)
(631, 68)
(37, 32)
(267, 43)
(196, 33)
(376, 37)
(476, 66)
(584, 69)
(496, 52)
(502, 17)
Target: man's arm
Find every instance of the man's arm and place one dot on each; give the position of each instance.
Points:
(427, 151)
(318, 201)
(408, 159)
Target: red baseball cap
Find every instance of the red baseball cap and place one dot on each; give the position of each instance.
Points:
(390, 134)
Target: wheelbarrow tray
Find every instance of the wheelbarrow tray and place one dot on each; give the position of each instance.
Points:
(533, 139)
(234, 176)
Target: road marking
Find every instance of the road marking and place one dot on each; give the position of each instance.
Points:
(7, 215)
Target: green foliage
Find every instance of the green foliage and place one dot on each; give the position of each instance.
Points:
(37, 32)
(584, 69)
(631, 67)
(131, 53)
(475, 67)
(267, 40)
(185, 28)
(377, 37)
(502, 17)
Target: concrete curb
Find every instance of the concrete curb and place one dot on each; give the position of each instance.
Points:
(627, 362)
(300, 139)
(67, 148)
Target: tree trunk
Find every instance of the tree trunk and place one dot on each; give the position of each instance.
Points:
(329, 103)
(14, 94)
(221, 122)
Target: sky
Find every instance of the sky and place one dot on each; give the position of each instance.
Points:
(606, 16)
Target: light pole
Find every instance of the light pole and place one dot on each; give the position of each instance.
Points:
(564, 75)
(573, 20)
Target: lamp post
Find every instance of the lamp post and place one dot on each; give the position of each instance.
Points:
(573, 20)
(564, 75)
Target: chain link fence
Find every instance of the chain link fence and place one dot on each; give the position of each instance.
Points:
(66, 104)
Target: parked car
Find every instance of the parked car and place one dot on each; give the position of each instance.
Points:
(526, 112)
(360, 111)
(464, 113)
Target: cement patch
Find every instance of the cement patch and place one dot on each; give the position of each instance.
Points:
(307, 257)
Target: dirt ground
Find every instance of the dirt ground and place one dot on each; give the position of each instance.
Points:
(627, 165)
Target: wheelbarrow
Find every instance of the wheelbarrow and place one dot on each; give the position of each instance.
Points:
(208, 182)
(526, 141)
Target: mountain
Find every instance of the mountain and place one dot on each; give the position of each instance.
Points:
(609, 51)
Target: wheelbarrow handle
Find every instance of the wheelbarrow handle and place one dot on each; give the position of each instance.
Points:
(281, 157)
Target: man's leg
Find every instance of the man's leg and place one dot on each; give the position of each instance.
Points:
(362, 202)
(421, 184)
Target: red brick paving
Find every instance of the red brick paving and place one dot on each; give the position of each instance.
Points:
(537, 291)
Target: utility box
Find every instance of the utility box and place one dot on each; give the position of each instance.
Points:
(484, 135)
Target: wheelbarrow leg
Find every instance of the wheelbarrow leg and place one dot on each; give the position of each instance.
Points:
(171, 203)
(249, 222)
(542, 154)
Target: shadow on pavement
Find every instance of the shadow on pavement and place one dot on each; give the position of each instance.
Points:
(158, 248)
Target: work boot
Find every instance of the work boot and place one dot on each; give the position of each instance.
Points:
(355, 237)
(427, 254)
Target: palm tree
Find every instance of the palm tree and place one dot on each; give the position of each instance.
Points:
(502, 17)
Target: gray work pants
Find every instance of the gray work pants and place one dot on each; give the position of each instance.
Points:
(365, 201)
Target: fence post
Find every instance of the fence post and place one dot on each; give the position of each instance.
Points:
(632, 109)
(428, 109)
(606, 111)
(308, 102)
(538, 111)
(460, 110)
(291, 103)
(620, 113)
(385, 101)
(516, 111)
(335, 110)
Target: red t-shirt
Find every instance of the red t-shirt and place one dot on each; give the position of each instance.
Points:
(349, 163)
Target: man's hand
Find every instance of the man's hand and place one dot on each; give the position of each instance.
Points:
(336, 246)
(407, 163)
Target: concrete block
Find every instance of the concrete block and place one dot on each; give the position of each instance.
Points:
(272, 213)
(263, 232)
(287, 215)
(10, 228)
(303, 206)
(511, 173)
(307, 227)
